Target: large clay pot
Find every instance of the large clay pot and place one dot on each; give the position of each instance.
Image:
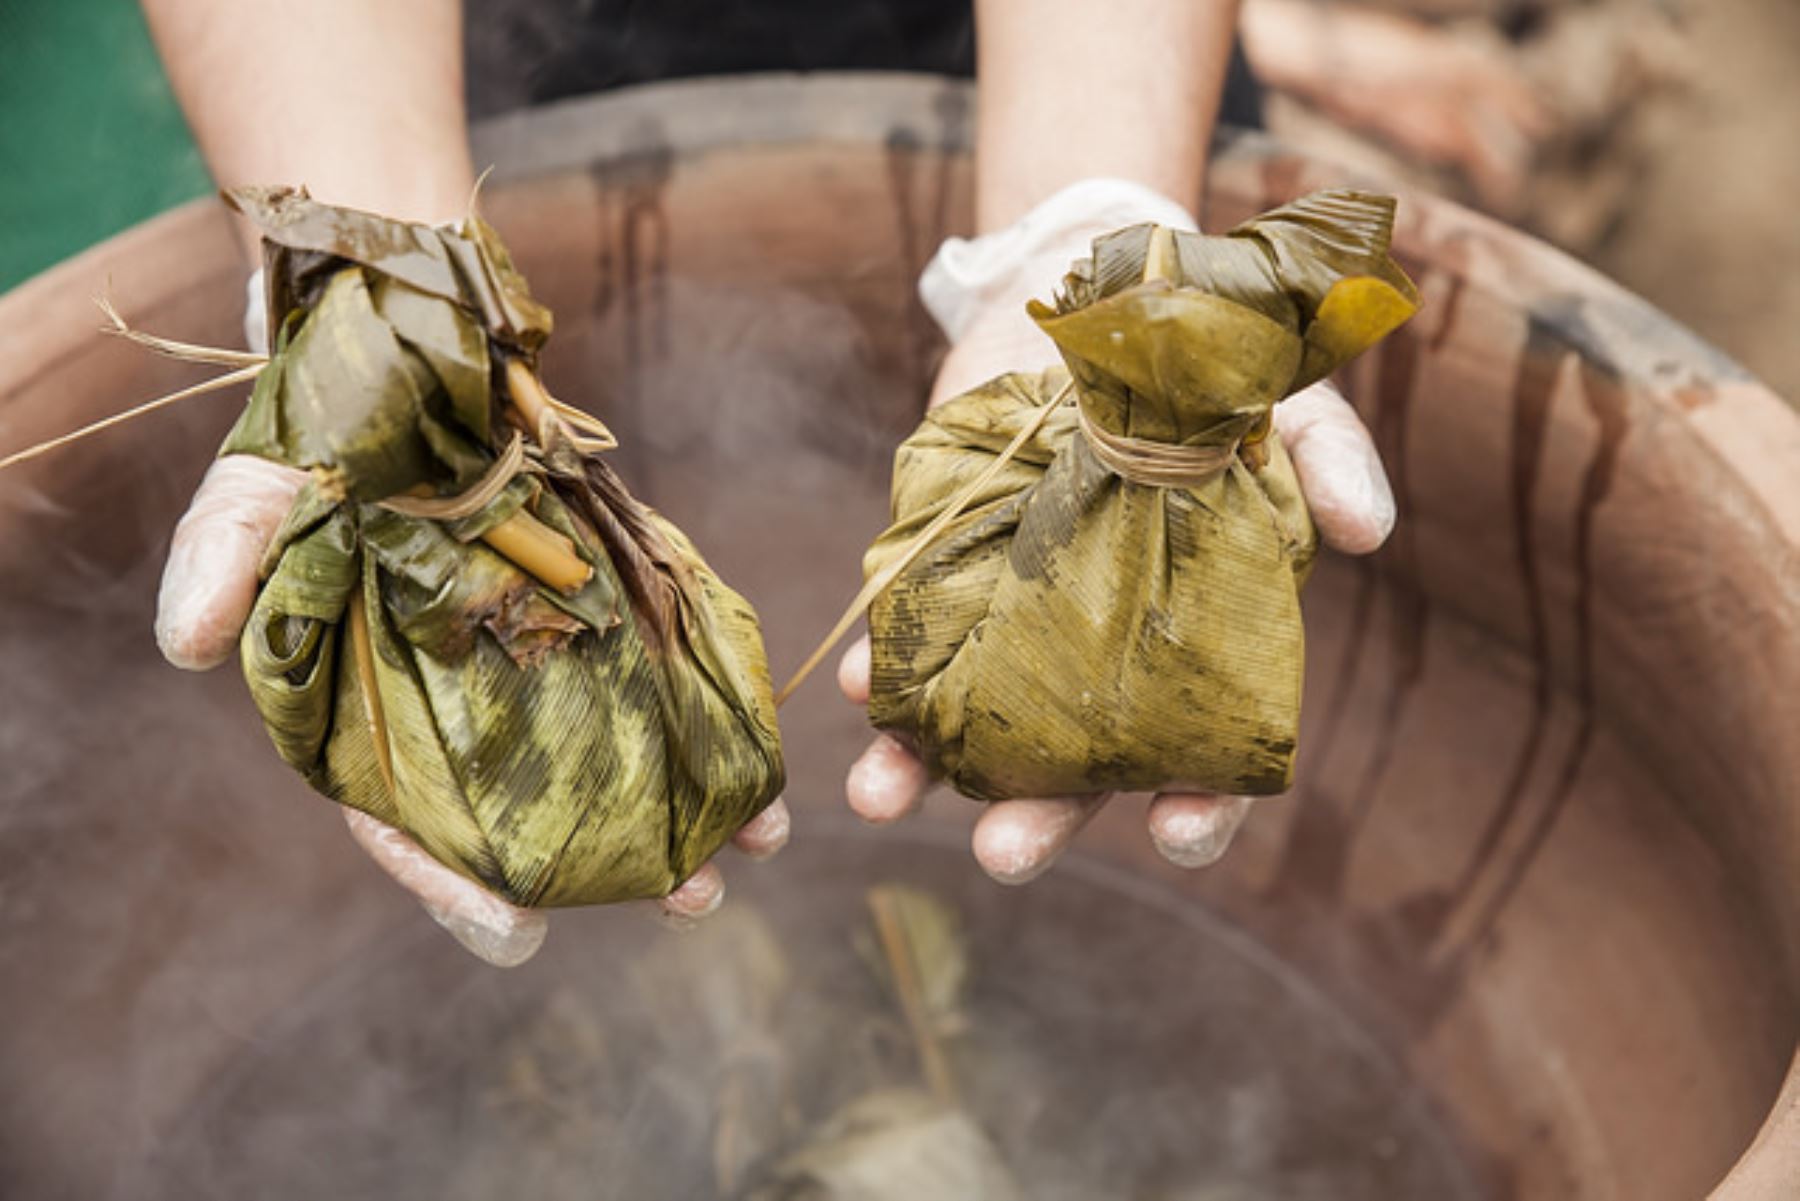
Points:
(1543, 865)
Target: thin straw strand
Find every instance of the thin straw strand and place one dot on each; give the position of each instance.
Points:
(187, 352)
(212, 385)
(887, 575)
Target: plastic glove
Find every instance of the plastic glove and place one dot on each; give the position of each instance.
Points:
(208, 587)
(977, 291)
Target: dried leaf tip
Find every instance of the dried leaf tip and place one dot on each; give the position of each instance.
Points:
(547, 417)
(474, 207)
(187, 352)
(1160, 261)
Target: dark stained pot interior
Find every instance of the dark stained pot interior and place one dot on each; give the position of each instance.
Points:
(1529, 926)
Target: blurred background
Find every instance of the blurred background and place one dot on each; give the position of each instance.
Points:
(1655, 139)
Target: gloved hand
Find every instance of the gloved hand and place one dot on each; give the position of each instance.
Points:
(977, 292)
(208, 586)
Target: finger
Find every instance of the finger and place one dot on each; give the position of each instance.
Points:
(209, 580)
(887, 783)
(699, 895)
(492, 929)
(1195, 829)
(1016, 841)
(1339, 469)
(766, 833)
(853, 672)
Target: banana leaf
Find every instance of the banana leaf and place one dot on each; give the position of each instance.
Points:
(563, 739)
(1075, 629)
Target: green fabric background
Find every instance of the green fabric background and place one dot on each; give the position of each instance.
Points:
(91, 140)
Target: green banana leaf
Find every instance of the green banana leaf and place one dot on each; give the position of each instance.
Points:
(1074, 631)
(561, 744)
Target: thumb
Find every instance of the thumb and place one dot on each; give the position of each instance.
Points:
(209, 580)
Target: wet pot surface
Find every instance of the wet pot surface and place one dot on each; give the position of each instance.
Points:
(1526, 928)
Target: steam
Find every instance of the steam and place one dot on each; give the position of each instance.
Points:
(1089, 1062)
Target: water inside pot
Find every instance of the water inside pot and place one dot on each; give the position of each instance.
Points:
(1112, 1041)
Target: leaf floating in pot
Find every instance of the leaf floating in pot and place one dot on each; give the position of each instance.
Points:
(919, 953)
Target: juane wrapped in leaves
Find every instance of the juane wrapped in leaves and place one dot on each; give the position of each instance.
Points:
(466, 626)
(1117, 607)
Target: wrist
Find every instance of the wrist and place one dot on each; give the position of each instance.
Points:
(976, 288)
(969, 277)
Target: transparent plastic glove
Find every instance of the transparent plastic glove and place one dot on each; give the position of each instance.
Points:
(983, 313)
(208, 587)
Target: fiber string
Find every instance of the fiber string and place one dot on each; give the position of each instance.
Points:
(242, 375)
(248, 365)
(887, 575)
(1155, 464)
(187, 352)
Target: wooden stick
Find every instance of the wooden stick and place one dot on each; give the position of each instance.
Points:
(527, 393)
(543, 412)
(905, 970)
(536, 548)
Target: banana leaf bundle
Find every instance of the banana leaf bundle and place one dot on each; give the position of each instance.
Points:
(1116, 604)
(466, 626)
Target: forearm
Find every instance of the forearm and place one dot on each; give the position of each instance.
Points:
(359, 100)
(1072, 89)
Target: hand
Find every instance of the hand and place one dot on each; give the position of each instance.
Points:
(1440, 95)
(209, 585)
(1352, 504)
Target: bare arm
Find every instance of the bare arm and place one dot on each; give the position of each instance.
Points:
(1072, 89)
(360, 100)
